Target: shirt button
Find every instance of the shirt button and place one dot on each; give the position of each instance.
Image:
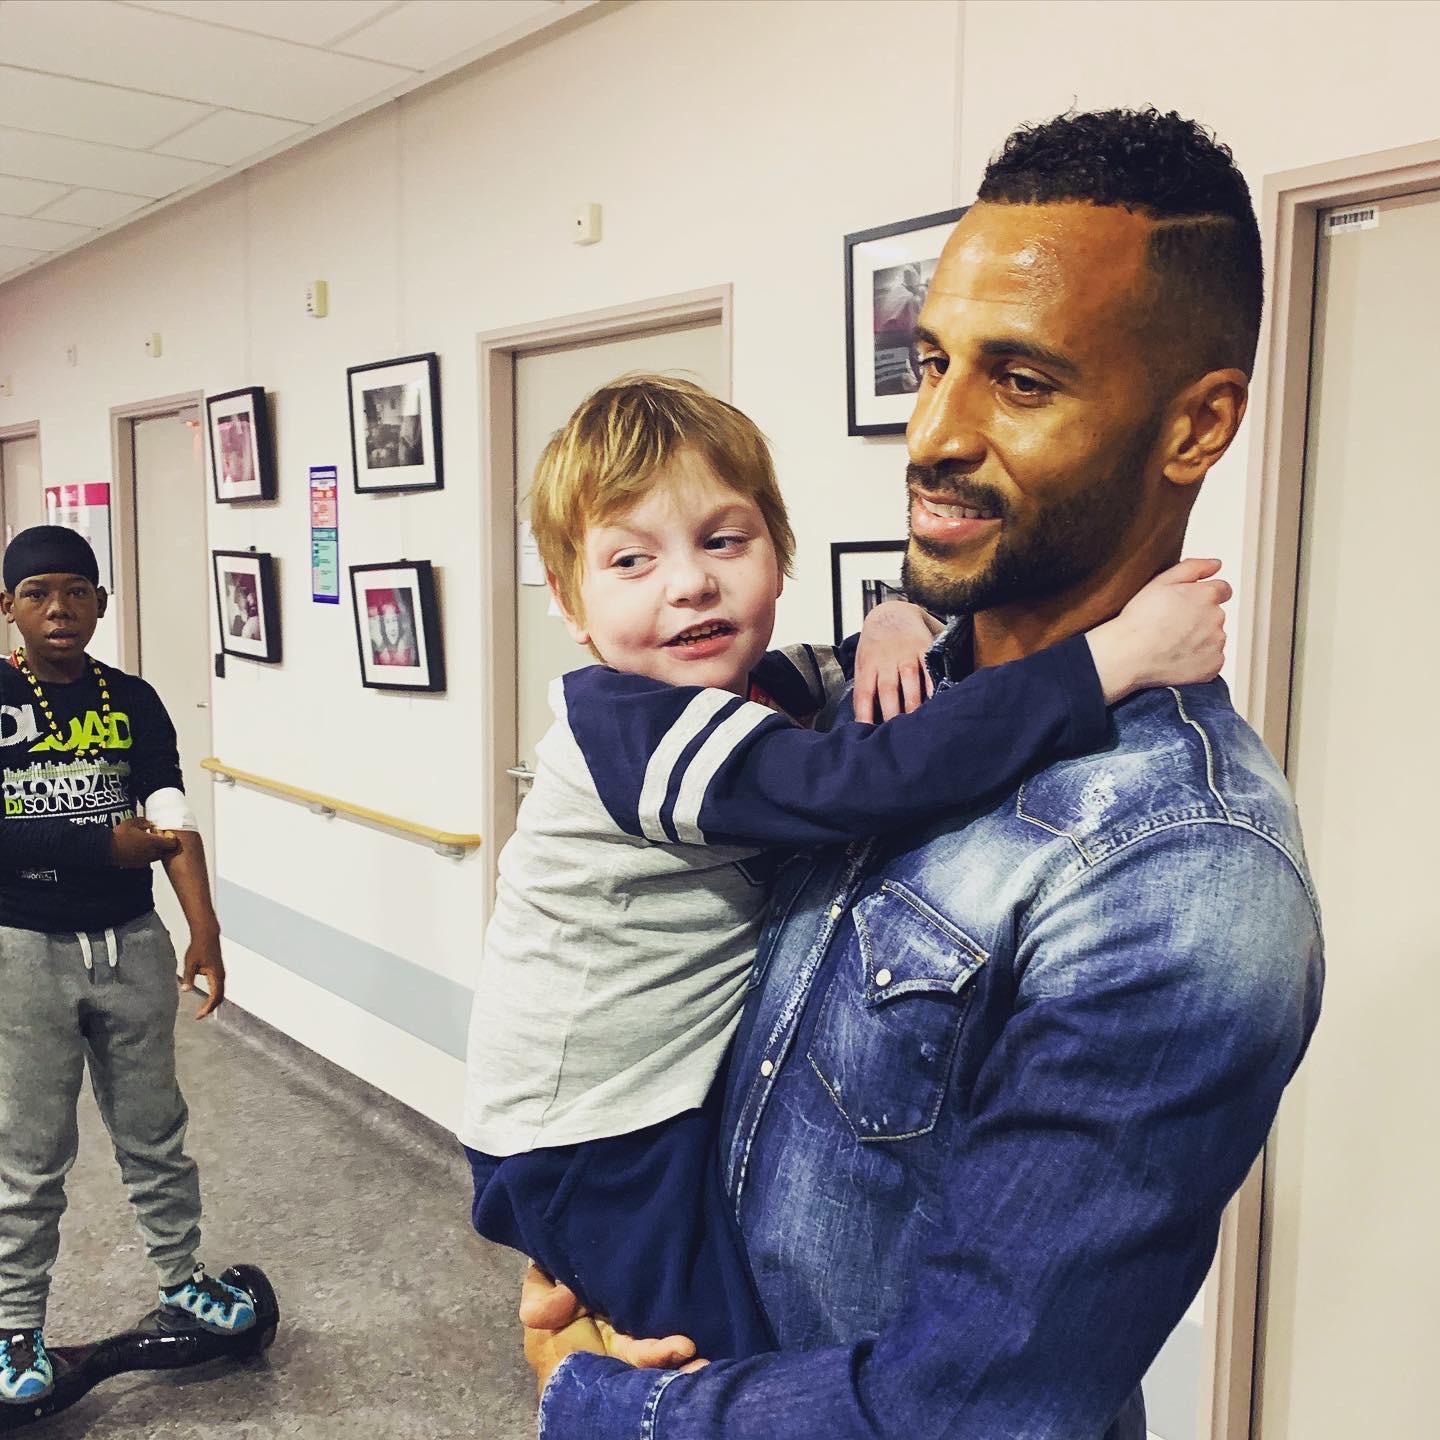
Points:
(836, 911)
(883, 978)
(766, 1067)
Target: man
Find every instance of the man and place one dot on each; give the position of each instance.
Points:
(996, 1082)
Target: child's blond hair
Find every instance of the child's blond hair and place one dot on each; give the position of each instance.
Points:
(604, 458)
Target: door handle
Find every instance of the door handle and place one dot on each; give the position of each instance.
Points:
(521, 772)
(202, 704)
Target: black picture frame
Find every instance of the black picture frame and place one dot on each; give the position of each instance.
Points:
(850, 595)
(387, 453)
(247, 604)
(242, 445)
(880, 379)
(408, 654)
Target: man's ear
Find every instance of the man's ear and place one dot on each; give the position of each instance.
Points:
(1203, 422)
(102, 601)
(7, 604)
(578, 633)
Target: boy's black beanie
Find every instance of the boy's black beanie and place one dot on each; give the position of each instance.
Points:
(48, 550)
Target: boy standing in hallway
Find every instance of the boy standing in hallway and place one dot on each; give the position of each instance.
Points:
(87, 970)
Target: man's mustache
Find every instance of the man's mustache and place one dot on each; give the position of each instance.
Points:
(949, 485)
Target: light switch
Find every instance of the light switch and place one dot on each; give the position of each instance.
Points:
(317, 299)
(585, 229)
(152, 345)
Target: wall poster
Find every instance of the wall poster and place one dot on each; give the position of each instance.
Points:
(85, 508)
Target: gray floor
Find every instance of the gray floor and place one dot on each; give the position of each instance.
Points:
(396, 1320)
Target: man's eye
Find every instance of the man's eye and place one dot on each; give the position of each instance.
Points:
(933, 366)
(723, 543)
(1029, 387)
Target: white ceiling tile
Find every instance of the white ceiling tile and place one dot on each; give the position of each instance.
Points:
(102, 167)
(308, 22)
(185, 58)
(226, 137)
(87, 111)
(25, 197)
(422, 33)
(39, 234)
(94, 207)
(12, 257)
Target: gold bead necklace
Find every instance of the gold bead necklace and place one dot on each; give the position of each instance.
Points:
(81, 751)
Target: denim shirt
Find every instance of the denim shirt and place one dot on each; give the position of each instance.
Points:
(994, 1086)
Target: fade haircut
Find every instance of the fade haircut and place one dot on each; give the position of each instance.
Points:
(607, 454)
(1204, 251)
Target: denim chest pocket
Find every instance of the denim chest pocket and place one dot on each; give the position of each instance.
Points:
(883, 1047)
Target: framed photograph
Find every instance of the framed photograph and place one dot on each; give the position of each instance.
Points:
(395, 425)
(397, 626)
(242, 453)
(887, 272)
(862, 574)
(247, 601)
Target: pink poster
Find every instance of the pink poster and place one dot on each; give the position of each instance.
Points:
(86, 508)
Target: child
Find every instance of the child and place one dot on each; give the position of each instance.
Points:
(87, 971)
(632, 893)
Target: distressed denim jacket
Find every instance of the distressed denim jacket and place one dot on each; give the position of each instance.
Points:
(993, 1088)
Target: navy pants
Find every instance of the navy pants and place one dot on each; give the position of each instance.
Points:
(638, 1226)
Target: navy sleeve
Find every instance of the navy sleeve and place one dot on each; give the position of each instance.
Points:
(34, 844)
(154, 753)
(804, 679)
(703, 767)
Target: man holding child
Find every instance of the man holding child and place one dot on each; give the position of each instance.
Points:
(997, 1078)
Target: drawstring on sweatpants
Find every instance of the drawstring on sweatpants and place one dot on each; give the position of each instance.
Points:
(111, 949)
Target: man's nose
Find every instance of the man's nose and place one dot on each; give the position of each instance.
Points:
(945, 424)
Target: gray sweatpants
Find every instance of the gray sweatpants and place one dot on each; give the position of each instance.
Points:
(57, 1013)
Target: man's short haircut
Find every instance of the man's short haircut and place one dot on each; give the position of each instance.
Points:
(606, 456)
(1205, 247)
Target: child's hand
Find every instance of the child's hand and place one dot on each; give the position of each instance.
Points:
(890, 660)
(1171, 633)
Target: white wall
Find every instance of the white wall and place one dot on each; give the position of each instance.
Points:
(727, 142)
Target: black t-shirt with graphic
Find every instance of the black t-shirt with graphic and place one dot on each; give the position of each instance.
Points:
(60, 808)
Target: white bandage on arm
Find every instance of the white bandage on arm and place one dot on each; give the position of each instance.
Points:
(168, 809)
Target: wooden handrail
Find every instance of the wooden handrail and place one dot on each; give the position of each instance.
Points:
(445, 841)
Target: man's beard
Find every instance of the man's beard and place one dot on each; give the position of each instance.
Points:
(1070, 538)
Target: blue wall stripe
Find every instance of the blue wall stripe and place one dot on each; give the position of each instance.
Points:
(398, 991)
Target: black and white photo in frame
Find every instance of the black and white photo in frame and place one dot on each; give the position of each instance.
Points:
(395, 424)
(887, 273)
(397, 626)
(862, 574)
(242, 451)
(247, 603)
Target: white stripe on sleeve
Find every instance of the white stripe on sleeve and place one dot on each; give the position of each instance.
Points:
(693, 719)
(832, 677)
(701, 770)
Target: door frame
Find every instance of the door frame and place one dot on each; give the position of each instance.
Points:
(25, 431)
(1290, 210)
(123, 540)
(498, 350)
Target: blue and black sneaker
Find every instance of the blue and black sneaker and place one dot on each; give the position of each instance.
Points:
(26, 1374)
(224, 1309)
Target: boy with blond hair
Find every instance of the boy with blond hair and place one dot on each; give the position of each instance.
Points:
(677, 773)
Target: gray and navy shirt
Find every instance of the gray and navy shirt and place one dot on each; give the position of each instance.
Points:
(632, 893)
